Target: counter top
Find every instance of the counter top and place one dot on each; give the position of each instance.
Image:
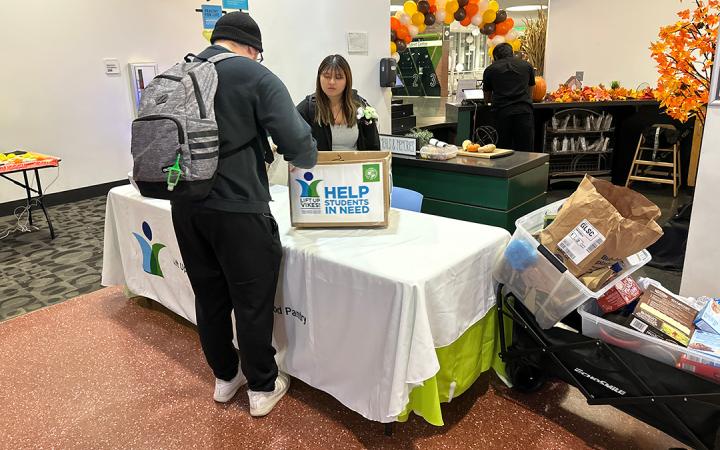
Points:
(552, 105)
(504, 167)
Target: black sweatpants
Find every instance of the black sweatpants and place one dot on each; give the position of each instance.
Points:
(516, 131)
(233, 262)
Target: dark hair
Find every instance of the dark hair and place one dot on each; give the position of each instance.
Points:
(503, 51)
(323, 110)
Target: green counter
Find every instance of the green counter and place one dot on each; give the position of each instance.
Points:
(488, 191)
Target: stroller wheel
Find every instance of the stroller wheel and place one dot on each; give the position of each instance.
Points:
(525, 377)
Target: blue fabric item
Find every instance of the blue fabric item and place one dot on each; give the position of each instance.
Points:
(520, 255)
(406, 199)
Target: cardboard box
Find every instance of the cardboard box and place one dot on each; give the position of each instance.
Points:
(665, 313)
(708, 319)
(700, 367)
(707, 343)
(621, 294)
(345, 189)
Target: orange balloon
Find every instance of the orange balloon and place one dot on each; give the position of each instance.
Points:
(402, 32)
(474, 2)
(449, 18)
(511, 22)
(466, 21)
(503, 28)
(408, 39)
(472, 9)
(394, 23)
(432, 2)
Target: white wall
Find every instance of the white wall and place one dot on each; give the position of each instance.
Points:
(296, 43)
(701, 275)
(608, 40)
(56, 98)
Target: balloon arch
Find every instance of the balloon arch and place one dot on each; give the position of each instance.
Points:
(415, 16)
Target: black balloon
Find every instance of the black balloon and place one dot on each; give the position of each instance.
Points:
(460, 14)
(429, 19)
(401, 45)
(462, 3)
(488, 29)
(500, 16)
(423, 6)
(393, 35)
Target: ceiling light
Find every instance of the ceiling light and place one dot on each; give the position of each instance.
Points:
(523, 8)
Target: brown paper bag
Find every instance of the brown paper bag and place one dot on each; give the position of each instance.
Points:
(601, 224)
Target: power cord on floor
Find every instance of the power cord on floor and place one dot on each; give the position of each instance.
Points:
(22, 213)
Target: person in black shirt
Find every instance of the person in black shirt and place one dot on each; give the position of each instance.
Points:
(507, 83)
(229, 241)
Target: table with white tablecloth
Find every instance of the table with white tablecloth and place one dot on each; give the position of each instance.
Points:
(359, 313)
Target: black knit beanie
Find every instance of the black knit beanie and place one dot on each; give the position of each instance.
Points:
(238, 27)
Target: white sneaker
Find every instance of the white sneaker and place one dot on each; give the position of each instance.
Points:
(261, 403)
(226, 390)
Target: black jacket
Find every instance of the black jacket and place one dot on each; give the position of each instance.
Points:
(368, 137)
(250, 103)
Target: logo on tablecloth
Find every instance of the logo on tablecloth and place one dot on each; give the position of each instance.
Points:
(150, 251)
(310, 202)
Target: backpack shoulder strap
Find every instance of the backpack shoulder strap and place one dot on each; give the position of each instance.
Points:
(221, 57)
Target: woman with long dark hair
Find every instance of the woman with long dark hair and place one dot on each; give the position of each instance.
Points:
(340, 119)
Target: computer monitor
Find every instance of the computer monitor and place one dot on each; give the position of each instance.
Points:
(474, 94)
(462, 85)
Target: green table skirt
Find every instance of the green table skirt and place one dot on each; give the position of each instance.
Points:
(461, 363)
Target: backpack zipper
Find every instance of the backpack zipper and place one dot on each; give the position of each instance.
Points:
(198, 97)
(181, 136)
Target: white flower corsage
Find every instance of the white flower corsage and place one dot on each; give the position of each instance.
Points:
(368, 113)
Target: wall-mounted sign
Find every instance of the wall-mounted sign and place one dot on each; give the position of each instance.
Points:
(210, 15)
(235, 4)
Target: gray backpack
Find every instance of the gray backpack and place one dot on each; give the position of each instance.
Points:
(175, 144)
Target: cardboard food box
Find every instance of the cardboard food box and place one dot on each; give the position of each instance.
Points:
(345, 189)
(621, 294)
(701, 367)
(706, 342)
(708, 319)
(666, 314)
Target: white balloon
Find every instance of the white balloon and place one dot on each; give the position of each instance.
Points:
(405, 19)
(413, 30)
(497, 40)
(440, 15)
(396, 56)
(511, 36)
(477, 20)
(482, 7)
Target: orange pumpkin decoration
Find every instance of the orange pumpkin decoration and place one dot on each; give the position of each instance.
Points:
(540, 89)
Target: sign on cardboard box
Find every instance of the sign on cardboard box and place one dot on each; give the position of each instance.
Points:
(344, 189)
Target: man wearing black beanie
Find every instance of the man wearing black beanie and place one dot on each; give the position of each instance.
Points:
(229, 241)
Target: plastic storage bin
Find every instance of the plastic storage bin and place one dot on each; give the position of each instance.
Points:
(596, 327)
(546, 288)
(438, 153)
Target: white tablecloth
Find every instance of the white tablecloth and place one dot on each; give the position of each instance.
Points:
(359, 312)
